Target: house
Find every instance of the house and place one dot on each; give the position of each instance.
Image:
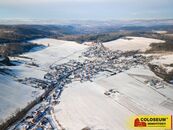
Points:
(4, 60)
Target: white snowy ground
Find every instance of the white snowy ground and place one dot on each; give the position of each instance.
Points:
(131, 43)
(14, 95)
(165, 61)
(85, 104)
(57, 51)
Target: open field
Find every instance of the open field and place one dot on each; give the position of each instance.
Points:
(132, 43)
(14, 97)
(86, 105)
(128, 93)
(33, 64)
(94, 86)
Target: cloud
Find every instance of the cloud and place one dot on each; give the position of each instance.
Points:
(86, 9)
(19, 2)
(5, 2)
(59, 2)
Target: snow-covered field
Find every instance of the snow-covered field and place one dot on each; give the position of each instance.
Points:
(107, 103)
(132, 43)
(57, 52)
(85, 104)
(14, 95)
(160, 32)
(165, 61)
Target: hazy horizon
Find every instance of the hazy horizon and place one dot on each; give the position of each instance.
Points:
(101, 10)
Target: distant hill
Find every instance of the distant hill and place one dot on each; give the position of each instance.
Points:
(17, 35)
(22, 33)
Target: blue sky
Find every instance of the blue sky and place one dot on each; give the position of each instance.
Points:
(86, 9)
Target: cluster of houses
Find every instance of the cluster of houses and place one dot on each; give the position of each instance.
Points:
(96, 59)
(36, 83)
(156, 83)
(36, 119)
(40, 118)
(111, 92)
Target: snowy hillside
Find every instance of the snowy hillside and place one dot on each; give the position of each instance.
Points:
(132, 43)
(99, 86)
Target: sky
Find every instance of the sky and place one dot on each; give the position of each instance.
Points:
(86, 9)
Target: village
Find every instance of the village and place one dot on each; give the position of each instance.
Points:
(96, 60)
